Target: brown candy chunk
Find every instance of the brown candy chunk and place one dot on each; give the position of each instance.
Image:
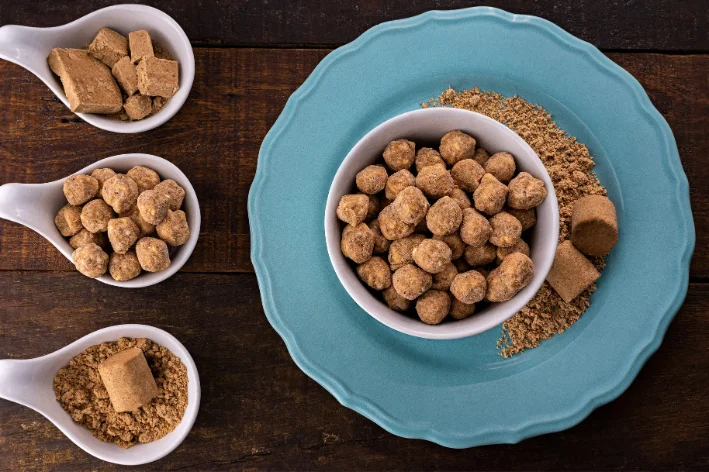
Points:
(391, 225)
(427, 157)
(90, 260)
(124, 267)
(525, 192)
(461, 198)
(528, 218)
(519, 246)
(79, 189)
(490, 195)
(401, 251)
(109, 46)
(469, 287)
(102, 175)
(95, 216)
(357, 243)
(481, 255)
(376, 273)
(411, 205)
(506, 230)
(509, 278)
(174, 192)
(84, 237)
(467, 174)
(571, 273)
(352, 209)
(174, 229)
(394, 300)
(397, 182)
(122, 233)
(153, 254)
(460, 310)
(371, 179)
(411, 282)
(433, 306)
(442, 280)
(153, 206)
(432, 255)
(475, 230)
(456, 146)
(400, 154)
(481, 156)
(381, 244)
(455, 242)
(435, 181)
(68, 220)
(594, 225)
(444, 217)
(128, 380)
(121, 192)
(502, 166)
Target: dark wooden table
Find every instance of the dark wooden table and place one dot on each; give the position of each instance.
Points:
(259, 411)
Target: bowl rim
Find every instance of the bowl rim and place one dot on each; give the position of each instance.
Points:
(400, 322)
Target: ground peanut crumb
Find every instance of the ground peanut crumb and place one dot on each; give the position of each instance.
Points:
(570, 167)
(80, 391)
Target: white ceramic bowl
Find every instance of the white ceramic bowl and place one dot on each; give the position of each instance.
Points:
(30, 383)
(427, 127)
(36, 205)
(29, 48)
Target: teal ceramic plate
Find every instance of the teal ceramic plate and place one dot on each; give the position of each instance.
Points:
(461, 393)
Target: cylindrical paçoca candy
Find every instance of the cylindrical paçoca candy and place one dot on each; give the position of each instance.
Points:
(594, 225)
(128, 380)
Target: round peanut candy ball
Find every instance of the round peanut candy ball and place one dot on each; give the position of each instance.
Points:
(90, 260)
(145, 178)
(95, 216)
(460, 310)
(433, 306)
(352, 209)
(84, 237)
(525, 192)
(455, 242)
(122, 233)
(174, 192)
(68, 220)
(506, 230)
(467, 174)
(397, 182)
(121, 192)
(469, 287)
(79, 189)
(432, 255)
(400, 154)
(391, 225)
(528, 218)
(475, 230)
(411, 205)
(381, 244)
(456, 146)
(357, 242)
(444, 217)
(154, 205)
(427, 157)
(481, 156)
(435, 181)
(401, 251)
(375, 272)
(443, 279)
(461, 198)
(124, 267)
(509, 278)
(519, 246)
(145, 227)
(502, 166)
(372, 207)
(102, 175)
(371, 179)
(481, 255)
(490, 195)
(411, 282)
(153, 254)
(174, 229)
(395, 301)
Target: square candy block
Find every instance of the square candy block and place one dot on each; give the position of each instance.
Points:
(109, 47)
(158, 77)
(138, 107)
(571, 273)
(141, 46)
(126, 74)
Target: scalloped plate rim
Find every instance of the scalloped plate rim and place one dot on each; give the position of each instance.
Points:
(366, 407)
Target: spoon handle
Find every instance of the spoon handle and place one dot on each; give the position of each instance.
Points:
(20, 382)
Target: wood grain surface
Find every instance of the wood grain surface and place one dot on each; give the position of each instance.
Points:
(259, 411)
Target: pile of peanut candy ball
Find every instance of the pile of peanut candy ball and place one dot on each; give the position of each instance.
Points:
(128, 208)
(448, 237)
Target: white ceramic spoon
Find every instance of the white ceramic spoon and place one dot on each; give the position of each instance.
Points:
(29, 48)
(36, 205)
(30, 383)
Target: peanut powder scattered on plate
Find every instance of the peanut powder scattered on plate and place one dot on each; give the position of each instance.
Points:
(80, 391)
(570, 167)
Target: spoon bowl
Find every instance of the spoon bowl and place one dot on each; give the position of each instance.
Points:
(29, 47)
(30, 383)
(36, 205)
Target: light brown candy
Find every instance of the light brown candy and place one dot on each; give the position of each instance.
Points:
(124, 267)
(357, 242)
(469, 287)
(506, 230)
(153, 254)
(467, 174)
(95, 216)
(509, 278)
(394, 300)
(432, 255)
(461, 197)
(475, 230)
(102, 175)
(68, 220)
(351, 209)
(128, 380)
(121, 192)
(158, 77)
(84, 237)
(108, 46)
(433, 306)
(126, 75)
(391, 225)
(455, 242)
(401, 251)
(137, 106)
(79, 189)
(174, 229)
(435, 181)
(397, 182)
(571, 273)
(525, 192)
(490, 195)
(501, 165)
(153, 206)
(371, 179)
(122, 233)
(381, 244)
(594, 225)
(427, 157)
(528, 218)
(145, 178)
(481, 255)
(519, 246)
(481, 156)
(443, 279)
(375, 272)
(444, 217)
(400, 154)
(411, 205)
(141, 45)
(90, 260)
(456, 146)
(174, 192)
(411, 282)
(460, 310)
(145, 227)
